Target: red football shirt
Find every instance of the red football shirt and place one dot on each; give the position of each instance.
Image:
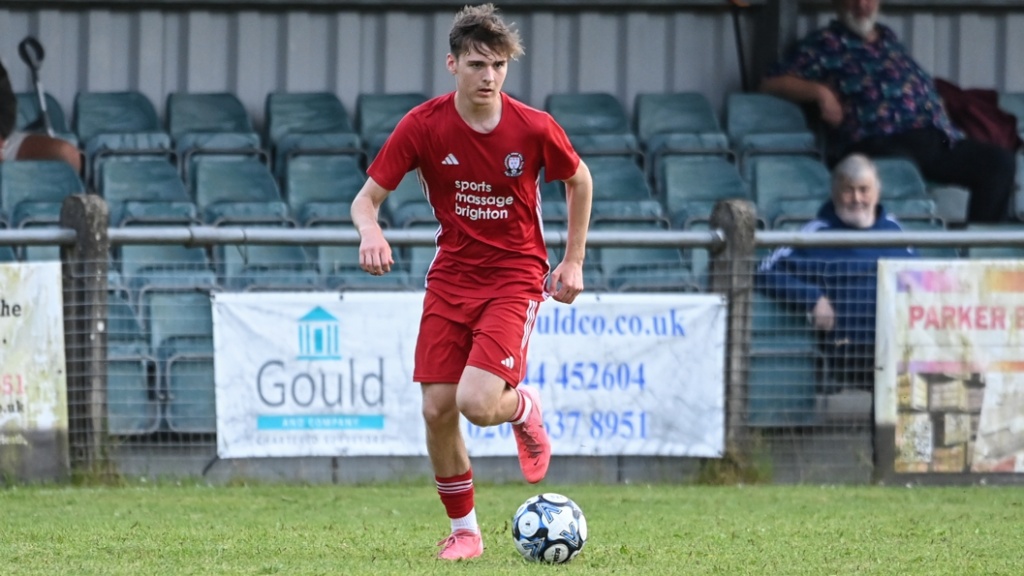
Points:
(485, 192)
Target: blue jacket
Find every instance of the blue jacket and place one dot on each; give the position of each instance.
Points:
(846, 275)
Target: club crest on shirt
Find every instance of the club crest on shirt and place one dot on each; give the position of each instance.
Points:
(514, 164)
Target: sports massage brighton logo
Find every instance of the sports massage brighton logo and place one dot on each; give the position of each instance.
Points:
(475, 200)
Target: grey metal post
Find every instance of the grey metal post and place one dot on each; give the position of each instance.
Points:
(84, 271)
(776, 31)
(731, 270)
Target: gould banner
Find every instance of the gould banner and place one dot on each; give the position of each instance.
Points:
(328, 374)
(951, 368)
(33, 377)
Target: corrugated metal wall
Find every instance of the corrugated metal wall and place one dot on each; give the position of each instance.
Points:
(252, 53)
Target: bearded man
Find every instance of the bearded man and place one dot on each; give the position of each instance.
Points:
(836, 286)
(876, 99)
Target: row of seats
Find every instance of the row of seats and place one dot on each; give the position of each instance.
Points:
(675, 159)
(318, 190)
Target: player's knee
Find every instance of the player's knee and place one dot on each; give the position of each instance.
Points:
(476, 411)
(436, 414)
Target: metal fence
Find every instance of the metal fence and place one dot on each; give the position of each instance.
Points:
(139, 344)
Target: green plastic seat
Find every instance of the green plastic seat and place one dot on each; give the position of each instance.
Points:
(146, 192)
(214, 123)
(320, 189)
(690, 187)
(238, 192)
(30, 116)
(32, 191)
(595, 122)
(759, 124)
(377, 114)
(781, 184)
(266, 267)
(307, 122)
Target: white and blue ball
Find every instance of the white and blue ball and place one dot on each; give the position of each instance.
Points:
(549, 528)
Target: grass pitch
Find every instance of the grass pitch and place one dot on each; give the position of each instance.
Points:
(661, 530)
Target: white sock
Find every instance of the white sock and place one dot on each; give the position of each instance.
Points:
(467, 522)
(527, 406)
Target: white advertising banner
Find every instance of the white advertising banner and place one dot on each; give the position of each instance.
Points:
(33, 375)
(327, 374)
(951, 367)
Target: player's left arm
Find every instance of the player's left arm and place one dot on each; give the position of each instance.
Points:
(566, 281)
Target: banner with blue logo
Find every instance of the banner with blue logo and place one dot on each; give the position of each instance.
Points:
(329, 374)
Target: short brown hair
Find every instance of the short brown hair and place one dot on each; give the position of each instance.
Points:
(482, 27)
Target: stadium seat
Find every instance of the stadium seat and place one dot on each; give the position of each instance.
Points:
(307, 123)
(147, 268)
(118, 124)
(40, 253)
(691, 186)
(676, 123)
(146, 192)
(407, 205)
(900, 178)
(377, 114)
(32, 191)
(648, 210)
(239, 192)
(339, 270)
(930, 225)
(132, 405)
(180, 328)
(30, 117)
(419, 257)
(759, 124)
(1013, 102)
(1015, 252)
(320, 189)
(778, 180)
(783, 366)
(210, 124)
(265, 267)
(642, 268)
(7, 254)
(595, 122)
(554, 211)
(191, 405)
(618, 178)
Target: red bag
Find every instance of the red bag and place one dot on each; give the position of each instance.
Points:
(976, 111)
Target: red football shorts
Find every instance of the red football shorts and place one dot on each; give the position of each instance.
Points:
(456, 332)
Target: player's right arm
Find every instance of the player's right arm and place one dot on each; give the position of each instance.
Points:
(374, 251)
(800, 90)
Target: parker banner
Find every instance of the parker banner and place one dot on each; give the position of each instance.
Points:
(33, 376)
(950, 350)
(328, 374)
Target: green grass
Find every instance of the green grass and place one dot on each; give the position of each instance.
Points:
(663, 530)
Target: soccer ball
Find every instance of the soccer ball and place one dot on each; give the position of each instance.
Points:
(549, 528)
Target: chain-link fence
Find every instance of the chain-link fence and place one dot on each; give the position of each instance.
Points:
(798, 375)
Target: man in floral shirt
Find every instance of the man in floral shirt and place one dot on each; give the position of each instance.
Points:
(878, 101)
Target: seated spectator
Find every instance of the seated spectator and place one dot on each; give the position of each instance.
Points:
(836, 287)
(878, 101)
(17, 145)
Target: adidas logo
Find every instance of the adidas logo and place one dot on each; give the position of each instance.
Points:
(450, 160)
(508, 362)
